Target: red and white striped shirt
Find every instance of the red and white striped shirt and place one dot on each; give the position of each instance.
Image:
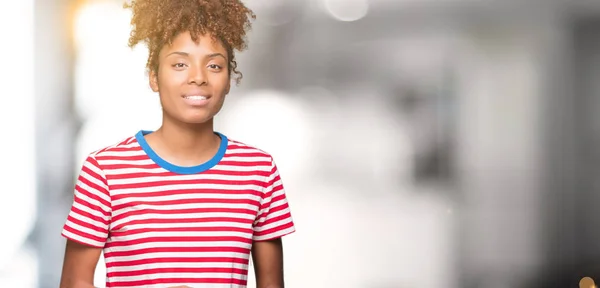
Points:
(162, 225)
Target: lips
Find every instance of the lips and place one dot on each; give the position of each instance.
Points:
(196, 99)
(196, 95)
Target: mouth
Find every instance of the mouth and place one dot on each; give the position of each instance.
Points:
(196, 100)
(195, 97)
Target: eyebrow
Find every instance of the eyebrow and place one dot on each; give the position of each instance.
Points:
(185, 54)
(178, 53)
(213, 55)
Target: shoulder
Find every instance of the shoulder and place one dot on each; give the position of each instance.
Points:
(263, 161)
(241, 150)
(123, 146)
(239, 147)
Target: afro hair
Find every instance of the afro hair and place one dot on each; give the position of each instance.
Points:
(157, 22)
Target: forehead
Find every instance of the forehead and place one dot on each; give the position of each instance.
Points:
(204, 44)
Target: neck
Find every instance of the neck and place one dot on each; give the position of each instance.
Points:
(187, 144)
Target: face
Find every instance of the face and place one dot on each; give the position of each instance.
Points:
(192, 78)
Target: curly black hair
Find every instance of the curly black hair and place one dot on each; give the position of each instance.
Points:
(157, 22)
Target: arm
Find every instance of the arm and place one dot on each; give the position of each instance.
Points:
(79, 265)
(87, 226)
(267, 257)
(274, 220)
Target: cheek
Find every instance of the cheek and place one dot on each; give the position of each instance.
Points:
(220, 83)
(169, 82)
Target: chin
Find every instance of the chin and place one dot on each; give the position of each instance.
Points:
(191, 117)
(198, 121)
(196, 118)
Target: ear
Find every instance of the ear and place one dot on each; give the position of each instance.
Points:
(153, 79)
(228, 87)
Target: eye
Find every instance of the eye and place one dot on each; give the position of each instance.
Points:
(179, 65)
(214, 67)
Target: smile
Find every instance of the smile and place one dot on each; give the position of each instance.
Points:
(196, 100)
(195, 97)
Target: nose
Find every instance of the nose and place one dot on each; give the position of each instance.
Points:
(197, 76)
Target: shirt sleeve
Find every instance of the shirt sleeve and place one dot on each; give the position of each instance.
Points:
(89, 218)
(274, 219)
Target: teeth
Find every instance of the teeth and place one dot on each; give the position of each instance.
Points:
(195, 97)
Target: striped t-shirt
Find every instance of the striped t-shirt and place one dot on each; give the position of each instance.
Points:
(163, 225)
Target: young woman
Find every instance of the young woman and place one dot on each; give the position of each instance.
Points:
(182, 206)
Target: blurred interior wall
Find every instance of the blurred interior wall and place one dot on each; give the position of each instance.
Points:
(55, 129)
(572, 155)
(497, 163)
(17, 179)
(528, 149)
(587, 99)
(502, 91)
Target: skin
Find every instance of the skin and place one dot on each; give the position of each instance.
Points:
(185, 68)
(267, 257)
(79, 265)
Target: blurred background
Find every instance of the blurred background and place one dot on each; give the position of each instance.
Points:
(423, 143)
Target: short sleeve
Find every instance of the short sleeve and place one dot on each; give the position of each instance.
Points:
(274, 219)
(90, 214)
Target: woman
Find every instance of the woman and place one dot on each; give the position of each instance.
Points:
(183, 206)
